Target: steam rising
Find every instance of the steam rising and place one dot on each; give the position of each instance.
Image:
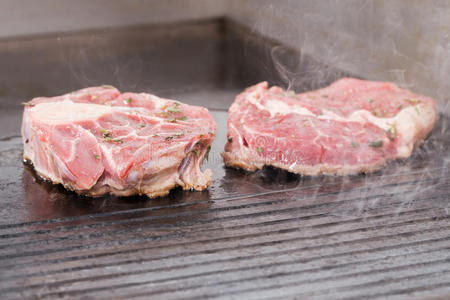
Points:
(102, 58)
(373, 41)
(320, 42)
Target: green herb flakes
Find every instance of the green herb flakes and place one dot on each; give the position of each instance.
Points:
(259, 149)
(106, 133)
(355, 145)
(207, 153)
(97, 156)
(413, 101)
(172, 109)
(392, 132)
(379, 113)
(230, 140)
(376, 144)
(129, 100)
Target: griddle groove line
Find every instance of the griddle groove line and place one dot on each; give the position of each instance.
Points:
(411, 233)
(409, 290)
(289, 220)
(8, 138)
(126, 221)
(350, 275)
(367, 284)
(244, 196)
(133, 284)
(183, 224)
(158, 281)
(93, 246)
(144, 260)
(150, 228)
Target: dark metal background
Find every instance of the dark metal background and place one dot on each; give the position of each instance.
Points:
(251, 235)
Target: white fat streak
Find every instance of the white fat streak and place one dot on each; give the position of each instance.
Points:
(244, 151)
(274, 106)
(55, 112)
(241, 142)
(409, 122)
(62, 168)
(76, 141)
(254, 100)
(46, 166)
(127, 108)
(161, 103)
(26, 135)
(107, 154)
(73, 144)
(86, 110)
(133, 176)
(412, 121)
(98, 108)
(160, 163)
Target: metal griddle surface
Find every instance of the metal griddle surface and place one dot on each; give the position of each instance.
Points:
(250, 235)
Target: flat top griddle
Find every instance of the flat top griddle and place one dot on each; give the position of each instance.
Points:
(267, 234)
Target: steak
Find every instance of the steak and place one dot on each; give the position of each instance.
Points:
(97, 141)
(349, 127)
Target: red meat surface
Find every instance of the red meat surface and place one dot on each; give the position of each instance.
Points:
(348, 127)
(97, 141)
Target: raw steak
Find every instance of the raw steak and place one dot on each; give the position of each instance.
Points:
(96, 141)
(348, 127)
